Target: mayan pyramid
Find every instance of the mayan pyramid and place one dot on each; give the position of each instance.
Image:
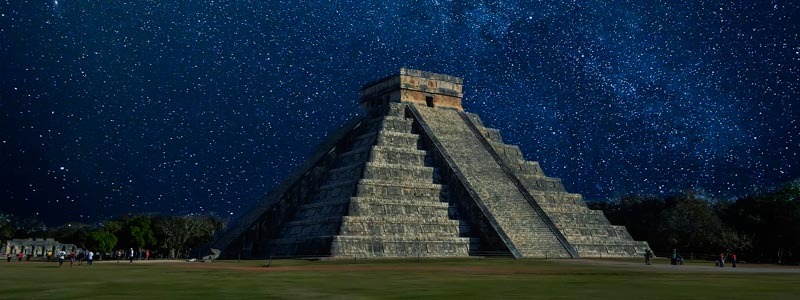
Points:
(418, 176)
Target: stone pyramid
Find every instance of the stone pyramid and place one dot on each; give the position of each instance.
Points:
(418, 176)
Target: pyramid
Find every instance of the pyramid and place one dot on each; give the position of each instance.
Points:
(417, 176)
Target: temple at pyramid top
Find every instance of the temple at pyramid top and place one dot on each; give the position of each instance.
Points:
(414, 86)
(415, 176)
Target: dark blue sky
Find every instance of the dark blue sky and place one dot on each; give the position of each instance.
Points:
(108, 108)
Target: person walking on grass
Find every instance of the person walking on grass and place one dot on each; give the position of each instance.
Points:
(647, 256)
(61, 255)
(72, 256)
(130, 255)
(674, 257)
(89, 258)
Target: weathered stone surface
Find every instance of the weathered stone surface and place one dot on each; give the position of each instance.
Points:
(523, 225)
(419, 177)
(588, 230)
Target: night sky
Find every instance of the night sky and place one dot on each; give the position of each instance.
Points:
(116, 107)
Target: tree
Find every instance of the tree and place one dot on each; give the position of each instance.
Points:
(772, 221)
(6, 226)
(182, 232)
(141, 232)
(691, 223)
(101, 240)
(133, 232)
(74, 233)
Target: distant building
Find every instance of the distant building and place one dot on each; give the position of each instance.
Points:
(35, 247)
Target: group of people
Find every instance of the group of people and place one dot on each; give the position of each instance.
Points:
(721, 260)
(73, 256)
(19, 256)
(62, 255)
(130, 255)
(677, 259)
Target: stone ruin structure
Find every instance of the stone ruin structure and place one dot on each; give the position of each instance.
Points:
(418, 176)
(35, 247)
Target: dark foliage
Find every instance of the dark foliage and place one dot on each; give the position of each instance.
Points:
(763, 227)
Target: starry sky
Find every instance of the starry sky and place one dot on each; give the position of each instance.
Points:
(116, 107)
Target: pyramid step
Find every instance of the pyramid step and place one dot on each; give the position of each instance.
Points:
(360, 206)
(491, 134)
(399, 172)
(397, 110)
(393, 155)
(365, 139)
(408, 226)
(587, 226)
(557, 198)
(361, 246)
(302, 246)
(345, 173)
(564, 208)
(398, 140)
(388, 138)
(536, 183)
(396, 124)
(620, 250)
(335, 190)
(323, 209)
(357, 155)
(508, 152)
(521, 166)
(608, 231)
(545, 253)
(589, 217)
(312, 227)
(399, 190)
(438, 220)
(598, 240)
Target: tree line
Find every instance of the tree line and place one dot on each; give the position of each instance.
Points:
(165, 236)
(764, 227)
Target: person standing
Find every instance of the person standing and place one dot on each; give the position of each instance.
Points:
(721, 260)
(130, 255)
(733, 260)
(72, 256)
(19, 256)
(61, 255)
(647, 255)
(147, 254)
(8, 256)
(89, 258)
(674, 257)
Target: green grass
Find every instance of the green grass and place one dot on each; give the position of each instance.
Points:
(386, 279)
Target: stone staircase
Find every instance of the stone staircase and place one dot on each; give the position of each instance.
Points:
(416, 176)
(588, 231)
(526, 229)
(381, 199)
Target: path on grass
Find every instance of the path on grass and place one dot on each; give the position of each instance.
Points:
(520, 269)
(742, 268)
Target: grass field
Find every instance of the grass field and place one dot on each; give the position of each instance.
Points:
(396, 279)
